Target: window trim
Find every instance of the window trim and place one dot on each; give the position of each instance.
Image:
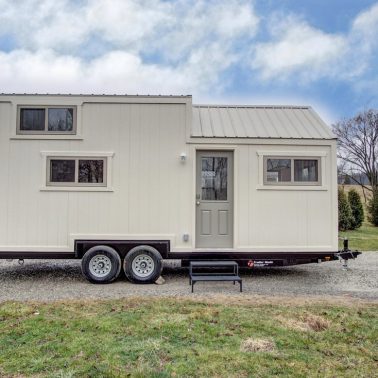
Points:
(76, 182)
(292, 182)
(325, 160)
(46, 131)
(105, 186)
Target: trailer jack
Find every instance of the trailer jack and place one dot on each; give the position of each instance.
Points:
(344, 264)
(345, 254)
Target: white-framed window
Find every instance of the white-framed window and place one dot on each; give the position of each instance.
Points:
(290, 170)
(79, 171)
(76, 171)
(46, 120)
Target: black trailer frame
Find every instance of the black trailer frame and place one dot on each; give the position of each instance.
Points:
(244, 259)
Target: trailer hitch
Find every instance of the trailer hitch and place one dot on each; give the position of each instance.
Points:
(345, 254)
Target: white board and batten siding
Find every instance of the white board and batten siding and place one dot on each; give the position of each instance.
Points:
(275, 218)
(151, 192)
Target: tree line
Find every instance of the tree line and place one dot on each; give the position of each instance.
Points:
(358, 154)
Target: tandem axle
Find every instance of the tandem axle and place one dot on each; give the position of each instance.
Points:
(103, 260)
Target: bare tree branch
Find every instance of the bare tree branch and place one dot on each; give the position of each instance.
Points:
(358, 147)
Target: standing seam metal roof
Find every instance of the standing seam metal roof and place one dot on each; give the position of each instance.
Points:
(231, 121)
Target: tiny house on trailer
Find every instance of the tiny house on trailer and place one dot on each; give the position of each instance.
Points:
(123, 182)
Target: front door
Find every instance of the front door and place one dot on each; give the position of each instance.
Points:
(214, 199)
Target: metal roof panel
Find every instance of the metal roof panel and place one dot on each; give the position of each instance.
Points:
(216, 122)
(206, 122)
(286, 122)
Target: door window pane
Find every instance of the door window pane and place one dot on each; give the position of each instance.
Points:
(278, 170)
(62, 170)
(306, 170)
(214, 179)
(32, 119)
(60, 119)
(91, 171)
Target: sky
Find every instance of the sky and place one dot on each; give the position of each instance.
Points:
(322, 53)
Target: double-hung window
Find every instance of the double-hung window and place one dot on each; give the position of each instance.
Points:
(291, 170)
(44, 120)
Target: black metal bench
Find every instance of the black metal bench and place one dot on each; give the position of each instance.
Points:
(199, 275)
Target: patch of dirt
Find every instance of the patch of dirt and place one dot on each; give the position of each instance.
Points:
(257, 345)
(317, 323)
(293, 324)
(173, 319)
(309, 322)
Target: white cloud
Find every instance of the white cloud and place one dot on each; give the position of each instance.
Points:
(194, 24)
(143, 26)
(36, 24)
(65, 26)
(115, 72)
(298, 50)
(192, 43)
(178, 46)
(363, 36)
(298, 47)
(366, 24)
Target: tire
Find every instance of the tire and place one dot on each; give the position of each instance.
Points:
(101, 264)
(143, 264)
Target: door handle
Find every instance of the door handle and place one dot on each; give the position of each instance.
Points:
(198, 203)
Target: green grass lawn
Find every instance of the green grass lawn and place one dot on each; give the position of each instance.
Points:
(364, 238)
(176, 338)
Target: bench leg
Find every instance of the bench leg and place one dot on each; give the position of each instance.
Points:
(192, 286)
(241, 287)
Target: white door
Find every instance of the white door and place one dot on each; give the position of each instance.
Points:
(214, 199)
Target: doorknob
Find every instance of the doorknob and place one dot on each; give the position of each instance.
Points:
(198, 203)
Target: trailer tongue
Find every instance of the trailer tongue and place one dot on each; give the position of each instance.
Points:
(260, 260)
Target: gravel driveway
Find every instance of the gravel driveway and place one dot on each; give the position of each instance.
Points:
(48, 280)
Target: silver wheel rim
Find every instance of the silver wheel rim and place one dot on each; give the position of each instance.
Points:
(100, 266)
(143, 265)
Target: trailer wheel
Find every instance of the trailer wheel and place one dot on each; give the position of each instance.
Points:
(143, 264)
(101, 264)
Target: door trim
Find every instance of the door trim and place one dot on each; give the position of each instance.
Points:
(215, 148)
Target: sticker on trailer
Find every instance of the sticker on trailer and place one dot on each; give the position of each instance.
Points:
(257, 263)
